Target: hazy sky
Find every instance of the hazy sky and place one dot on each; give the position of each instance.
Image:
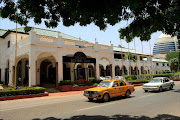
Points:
(90, 32)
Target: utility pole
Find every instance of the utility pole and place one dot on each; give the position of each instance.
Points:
(136, 59)
(151, 59)
(15, 65)
(143, 60)
(122, 60)
(129, 62)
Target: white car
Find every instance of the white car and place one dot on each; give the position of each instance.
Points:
(158, 84)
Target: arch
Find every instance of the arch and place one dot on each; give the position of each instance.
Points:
(47, 73)
(90, 70)
(142, 70)
(136, 70)
(108, 70)
(124, 69)
(104, 62)
(102, 71)
(7, 72)
(117, 71)
(22, 71)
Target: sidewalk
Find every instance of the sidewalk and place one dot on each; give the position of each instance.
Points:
(65, 93)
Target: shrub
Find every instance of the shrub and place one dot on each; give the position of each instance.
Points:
(91, 78)
(137, 81)
(65, 82)
(21, 91)
(95, 84)
(96, 81)
(75, 85)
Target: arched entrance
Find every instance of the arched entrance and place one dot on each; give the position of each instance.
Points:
(125, 70)
(142, 70)
(117, 71)
(80, 72)
(90, 71)
(22, 72)
(108, 70)
(47, 74)
(102, 71)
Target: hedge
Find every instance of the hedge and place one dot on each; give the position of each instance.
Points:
(21, 91)
(137, 81)
(149, 76)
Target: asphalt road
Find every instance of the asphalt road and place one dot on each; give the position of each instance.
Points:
(140, 106)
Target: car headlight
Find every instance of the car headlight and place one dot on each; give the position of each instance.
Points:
(96, 92)
(156, 86)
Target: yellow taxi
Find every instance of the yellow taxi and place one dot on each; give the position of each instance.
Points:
(108, 89)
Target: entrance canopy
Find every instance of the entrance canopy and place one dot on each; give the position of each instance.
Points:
(79, 57)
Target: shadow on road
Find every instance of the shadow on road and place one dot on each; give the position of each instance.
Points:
(116, 117)
(177, 91)
(112, 99)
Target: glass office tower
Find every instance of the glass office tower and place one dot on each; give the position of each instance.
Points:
(164, 44)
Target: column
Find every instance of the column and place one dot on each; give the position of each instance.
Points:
(112, 71)
(60, 68)
(38, 72)
(32, 69)
(10, 73)
(96, 68)
(72, 71)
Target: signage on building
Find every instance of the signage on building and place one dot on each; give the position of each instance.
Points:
(79, 57)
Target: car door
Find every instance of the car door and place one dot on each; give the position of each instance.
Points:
(123, 88)
(167, 83)
(115, 91)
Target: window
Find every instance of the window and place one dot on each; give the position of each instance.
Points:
(166, 80)
(115, 84)
(167, 64)
(157, 64)
(122, 84)
(163, 64)
(8, 44)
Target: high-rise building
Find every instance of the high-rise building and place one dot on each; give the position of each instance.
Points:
(164, 44)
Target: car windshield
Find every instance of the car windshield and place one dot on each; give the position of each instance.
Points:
(156, 80)
(105, 84)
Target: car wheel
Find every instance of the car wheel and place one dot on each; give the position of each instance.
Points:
(145, 90)
(106, 97)
(160, 89)
(171, 87)
(127, 94)
(90, 99)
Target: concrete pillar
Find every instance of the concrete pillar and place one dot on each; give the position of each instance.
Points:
(72, 71)
(38, 72)
(60, 68)
(112, 71)
(10, 73)
(3, 73)
(96, 68)
(32, 69)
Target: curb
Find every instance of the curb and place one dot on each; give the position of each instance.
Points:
(136, 85)
(23, 96)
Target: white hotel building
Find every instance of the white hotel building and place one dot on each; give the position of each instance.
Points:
(47, 57)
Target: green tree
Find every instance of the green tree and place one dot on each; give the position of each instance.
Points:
(174, 64)
(130, 55)
(171, 55)
(147, 16)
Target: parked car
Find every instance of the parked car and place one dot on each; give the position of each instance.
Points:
(105, 78)
(158, 84)
(108, 89)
